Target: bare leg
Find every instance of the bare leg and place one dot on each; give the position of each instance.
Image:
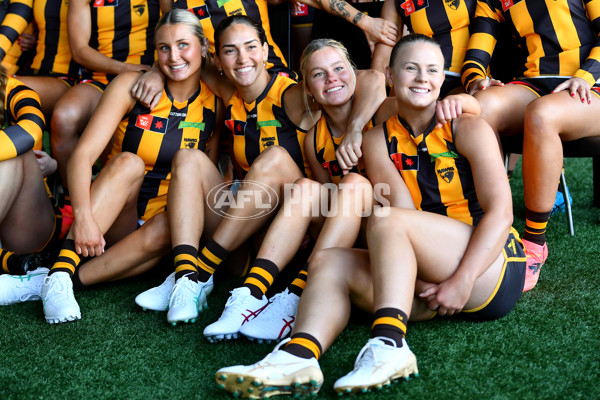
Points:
(193, 175)
(274, 167)
(24, 204)
(410, 244)
(49, 90)
(549, 121)
(71, 113)
(136, 253)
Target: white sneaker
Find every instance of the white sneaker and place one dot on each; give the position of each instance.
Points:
(278, 373)
(276, 321)
(377, 365)
(187, 298)
(157, 298)
(59, 301)
(21, 288)
(240, 308)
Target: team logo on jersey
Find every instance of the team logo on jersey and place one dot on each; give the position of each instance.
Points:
(411, 6)
(139, 9)
(267, 142)
(447, 174)
(105, 3)
(152, 123)
(236, 127)
(333, 167)
(190, 143)
(452, 4)
(404, 162)
(506, 4)
(200, 12)
(221, 3)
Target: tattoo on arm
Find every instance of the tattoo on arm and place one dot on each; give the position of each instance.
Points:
(338, 7)
(357, 17)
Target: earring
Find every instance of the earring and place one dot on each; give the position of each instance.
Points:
(312, 98)
(220, 72)
(265, 63)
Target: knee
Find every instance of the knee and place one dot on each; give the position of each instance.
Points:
(128, 165)
(306, 188)
(323, 266)
(540, 119)
(66, 119)
(188, 161)
(272, 161)
(385, 222)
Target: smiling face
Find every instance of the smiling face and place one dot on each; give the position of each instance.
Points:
(330, 79)
(417, 75)
(179, 52)
(241, 55)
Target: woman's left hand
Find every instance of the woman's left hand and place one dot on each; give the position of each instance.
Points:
(578, 88)
(348, 152)
(379, 30)
(449, 297)
(448, 109)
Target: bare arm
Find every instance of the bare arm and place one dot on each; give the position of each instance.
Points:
(381, 55)
(79, 27)
(114, 104)
(451, 107)
(319, 173)
(376, 29)
(368, 96)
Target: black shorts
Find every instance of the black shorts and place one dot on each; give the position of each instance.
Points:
(544, 85)
(98, 85)
(70, 81)
(451, 82)
(510, 285)
(54, 243)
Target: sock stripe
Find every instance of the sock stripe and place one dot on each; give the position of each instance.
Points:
(390, 321)
(253, 281)
(5, 254)
(208, 257)
(308, 344)
(186, 258)
(536, 225)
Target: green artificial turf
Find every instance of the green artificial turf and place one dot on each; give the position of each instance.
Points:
(546, 348)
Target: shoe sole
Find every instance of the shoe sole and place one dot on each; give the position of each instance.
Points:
(305, 383)
(60, 320)
(222, 337)
(404, 373)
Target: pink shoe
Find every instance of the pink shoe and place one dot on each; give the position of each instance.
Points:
(536, 257)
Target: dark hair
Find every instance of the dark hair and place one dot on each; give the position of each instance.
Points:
(408, 39)
(237, 19)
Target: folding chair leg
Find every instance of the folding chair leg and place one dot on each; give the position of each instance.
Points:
(568, 209)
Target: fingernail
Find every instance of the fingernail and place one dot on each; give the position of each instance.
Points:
(589, 102)
(572, 94)
(582, 100)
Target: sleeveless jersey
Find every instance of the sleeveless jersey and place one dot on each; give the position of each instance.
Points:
(124, 30)
(326, 144)
(557, 37)
(211, 12)
(438, 177)
(447, 21)
(24, 120)
(264, 123)
(53, 54)
(157, 135)
(15, 16)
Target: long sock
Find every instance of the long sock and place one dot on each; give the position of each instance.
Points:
(186, 262)
(67, 259)
(535, 226)
(304, 345)
(298, 284)
(211, 256)
(5, 260)
(77, 285)
(390, 323)
(261, 277)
